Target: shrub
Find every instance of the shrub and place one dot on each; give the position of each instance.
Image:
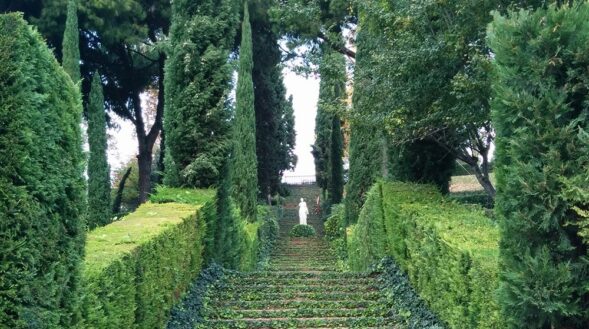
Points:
(137, 268)
(335, 223)
(449, 251)
(541, 99)
(41, 183)
(302, 231)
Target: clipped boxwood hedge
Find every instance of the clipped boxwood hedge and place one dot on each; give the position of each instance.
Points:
(137, 268)
(448, 250)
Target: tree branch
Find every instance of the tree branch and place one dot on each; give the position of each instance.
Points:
(339, 48)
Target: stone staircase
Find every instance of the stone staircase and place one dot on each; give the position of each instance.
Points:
(301, 288)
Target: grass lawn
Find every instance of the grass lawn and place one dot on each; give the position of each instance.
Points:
(467, 183)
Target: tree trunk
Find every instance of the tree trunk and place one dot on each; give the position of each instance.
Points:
(485, 181)
(116, 205)
(144, 162)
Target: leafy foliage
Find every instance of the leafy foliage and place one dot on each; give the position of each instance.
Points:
(430, 77)
(245, 162)
(197, 83)
(302, 231)
(540, 110)
(99, 205)
(42, 188)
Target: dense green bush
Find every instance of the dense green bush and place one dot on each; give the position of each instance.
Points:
(302, 231)
(448, 250)
(41, 183)
(335, 223)
(540, 110)
(138, 267)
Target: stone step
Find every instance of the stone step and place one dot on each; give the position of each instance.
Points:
(319, 322)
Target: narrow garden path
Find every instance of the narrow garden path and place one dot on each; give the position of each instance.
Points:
(301, 287)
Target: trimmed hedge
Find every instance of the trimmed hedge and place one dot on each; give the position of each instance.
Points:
(448, 250)
(137, 268)
(255, 240)
(42, 192)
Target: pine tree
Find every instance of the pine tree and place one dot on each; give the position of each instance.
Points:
(245, 166)
(197, 84)
(99, 205)
(335, 187)
(41, 182)
(540, 109)
(71, 42)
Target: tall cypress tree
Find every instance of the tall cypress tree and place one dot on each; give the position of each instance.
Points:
(71, 42)
(99, 205)
(332, 94)
(275, 136)
(366, 156)
(197, 84)
(245, 166)
(335, 186)
(41, 182)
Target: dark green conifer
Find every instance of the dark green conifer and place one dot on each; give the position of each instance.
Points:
(41, 184)
(540, 110)
(335, 186)
(332, 96)
(99, 205)
(245, 164)
(366, 156)
(71, 42)
(275, 135)
(197, 84)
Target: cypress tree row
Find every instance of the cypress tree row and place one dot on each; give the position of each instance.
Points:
(245, 166)
(41, 183)
(332, 94)
(71, 42)
(540, 109)
(99, 205)
(197, 83)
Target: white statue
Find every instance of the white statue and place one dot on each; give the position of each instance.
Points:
(303, 212)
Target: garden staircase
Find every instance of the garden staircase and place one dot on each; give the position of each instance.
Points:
(301, 288)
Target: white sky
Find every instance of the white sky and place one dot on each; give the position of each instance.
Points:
(305, 91)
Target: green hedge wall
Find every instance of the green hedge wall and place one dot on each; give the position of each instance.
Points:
(540, 111)
(41, 183)
(137, 268)
(254, 241)
(448, 250)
